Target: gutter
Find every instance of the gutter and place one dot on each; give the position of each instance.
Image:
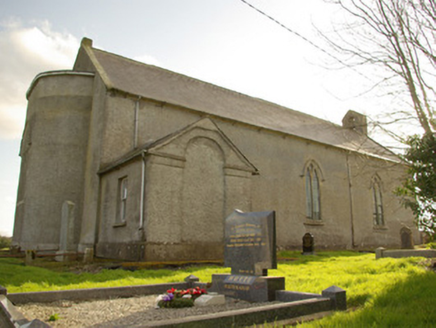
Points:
(141, 204)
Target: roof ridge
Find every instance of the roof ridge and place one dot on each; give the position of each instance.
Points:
(163, 85)
(210, 84)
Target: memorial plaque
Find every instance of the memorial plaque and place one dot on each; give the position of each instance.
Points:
(250, 243)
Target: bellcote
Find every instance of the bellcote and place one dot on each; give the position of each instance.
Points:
(355, 121)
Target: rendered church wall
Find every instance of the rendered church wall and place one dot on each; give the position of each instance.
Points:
(395, 216)
(281, 184)
(119, 233)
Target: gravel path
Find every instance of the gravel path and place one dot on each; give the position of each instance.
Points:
(132, 312)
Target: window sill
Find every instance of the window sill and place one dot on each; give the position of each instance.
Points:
(311, 222)
(120, 224)
(379, 228)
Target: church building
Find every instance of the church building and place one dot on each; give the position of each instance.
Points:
(143, 164)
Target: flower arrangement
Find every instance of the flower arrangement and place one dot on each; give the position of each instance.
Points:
(175, 298)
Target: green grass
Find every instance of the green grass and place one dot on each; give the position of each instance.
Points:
(380, 293)
(17, 277)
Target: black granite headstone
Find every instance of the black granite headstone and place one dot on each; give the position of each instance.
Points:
(250, 243)
(308, 244)
(250, 250)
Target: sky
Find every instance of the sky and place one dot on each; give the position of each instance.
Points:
(224, 42)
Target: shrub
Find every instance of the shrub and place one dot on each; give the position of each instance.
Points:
(431, 245)
(5, 242)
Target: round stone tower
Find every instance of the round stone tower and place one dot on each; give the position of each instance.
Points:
(53, 159)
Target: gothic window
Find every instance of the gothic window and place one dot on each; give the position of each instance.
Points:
(313, 206)
(378, 204)
(122, 200)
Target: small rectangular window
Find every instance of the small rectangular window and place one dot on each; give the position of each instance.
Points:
(122, 200)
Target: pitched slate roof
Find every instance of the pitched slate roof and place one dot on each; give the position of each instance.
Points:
(162, 85)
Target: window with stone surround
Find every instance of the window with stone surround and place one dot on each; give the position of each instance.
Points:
(122, 200)
(313, 199)
(378, 216)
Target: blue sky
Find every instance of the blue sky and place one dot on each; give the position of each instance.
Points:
(223, 42)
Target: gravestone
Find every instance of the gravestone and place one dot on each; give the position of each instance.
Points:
(250, 243)
(308, 244)
(250, 250)
(30, 256)
(88, 255)
(67, 247)
(406, 238)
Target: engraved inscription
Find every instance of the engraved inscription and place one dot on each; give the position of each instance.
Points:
(246, 235)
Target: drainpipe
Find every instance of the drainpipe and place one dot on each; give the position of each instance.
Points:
(141, 203)
(350, 194)
(135, 123)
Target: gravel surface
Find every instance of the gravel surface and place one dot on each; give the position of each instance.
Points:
(132, 312)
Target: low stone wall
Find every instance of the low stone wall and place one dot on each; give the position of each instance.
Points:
(93, 293)
(399, 253)
(251, 316)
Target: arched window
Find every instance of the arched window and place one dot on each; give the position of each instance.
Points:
(378, 203)
(313, 206)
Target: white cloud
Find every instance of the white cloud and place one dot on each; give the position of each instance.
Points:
(27, 51)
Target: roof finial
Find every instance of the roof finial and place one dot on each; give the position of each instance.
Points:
(86, 42)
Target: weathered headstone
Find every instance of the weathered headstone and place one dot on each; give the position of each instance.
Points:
(30, 256)
(67, 247)
(250, 250)
(88, 255)
(406, 238)
(308, 244)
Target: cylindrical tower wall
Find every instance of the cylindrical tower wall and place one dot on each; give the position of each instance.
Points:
(53, 155)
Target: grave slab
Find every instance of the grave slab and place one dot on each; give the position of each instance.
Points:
(210, 299)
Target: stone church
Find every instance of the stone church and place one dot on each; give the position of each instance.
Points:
(144, 164)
